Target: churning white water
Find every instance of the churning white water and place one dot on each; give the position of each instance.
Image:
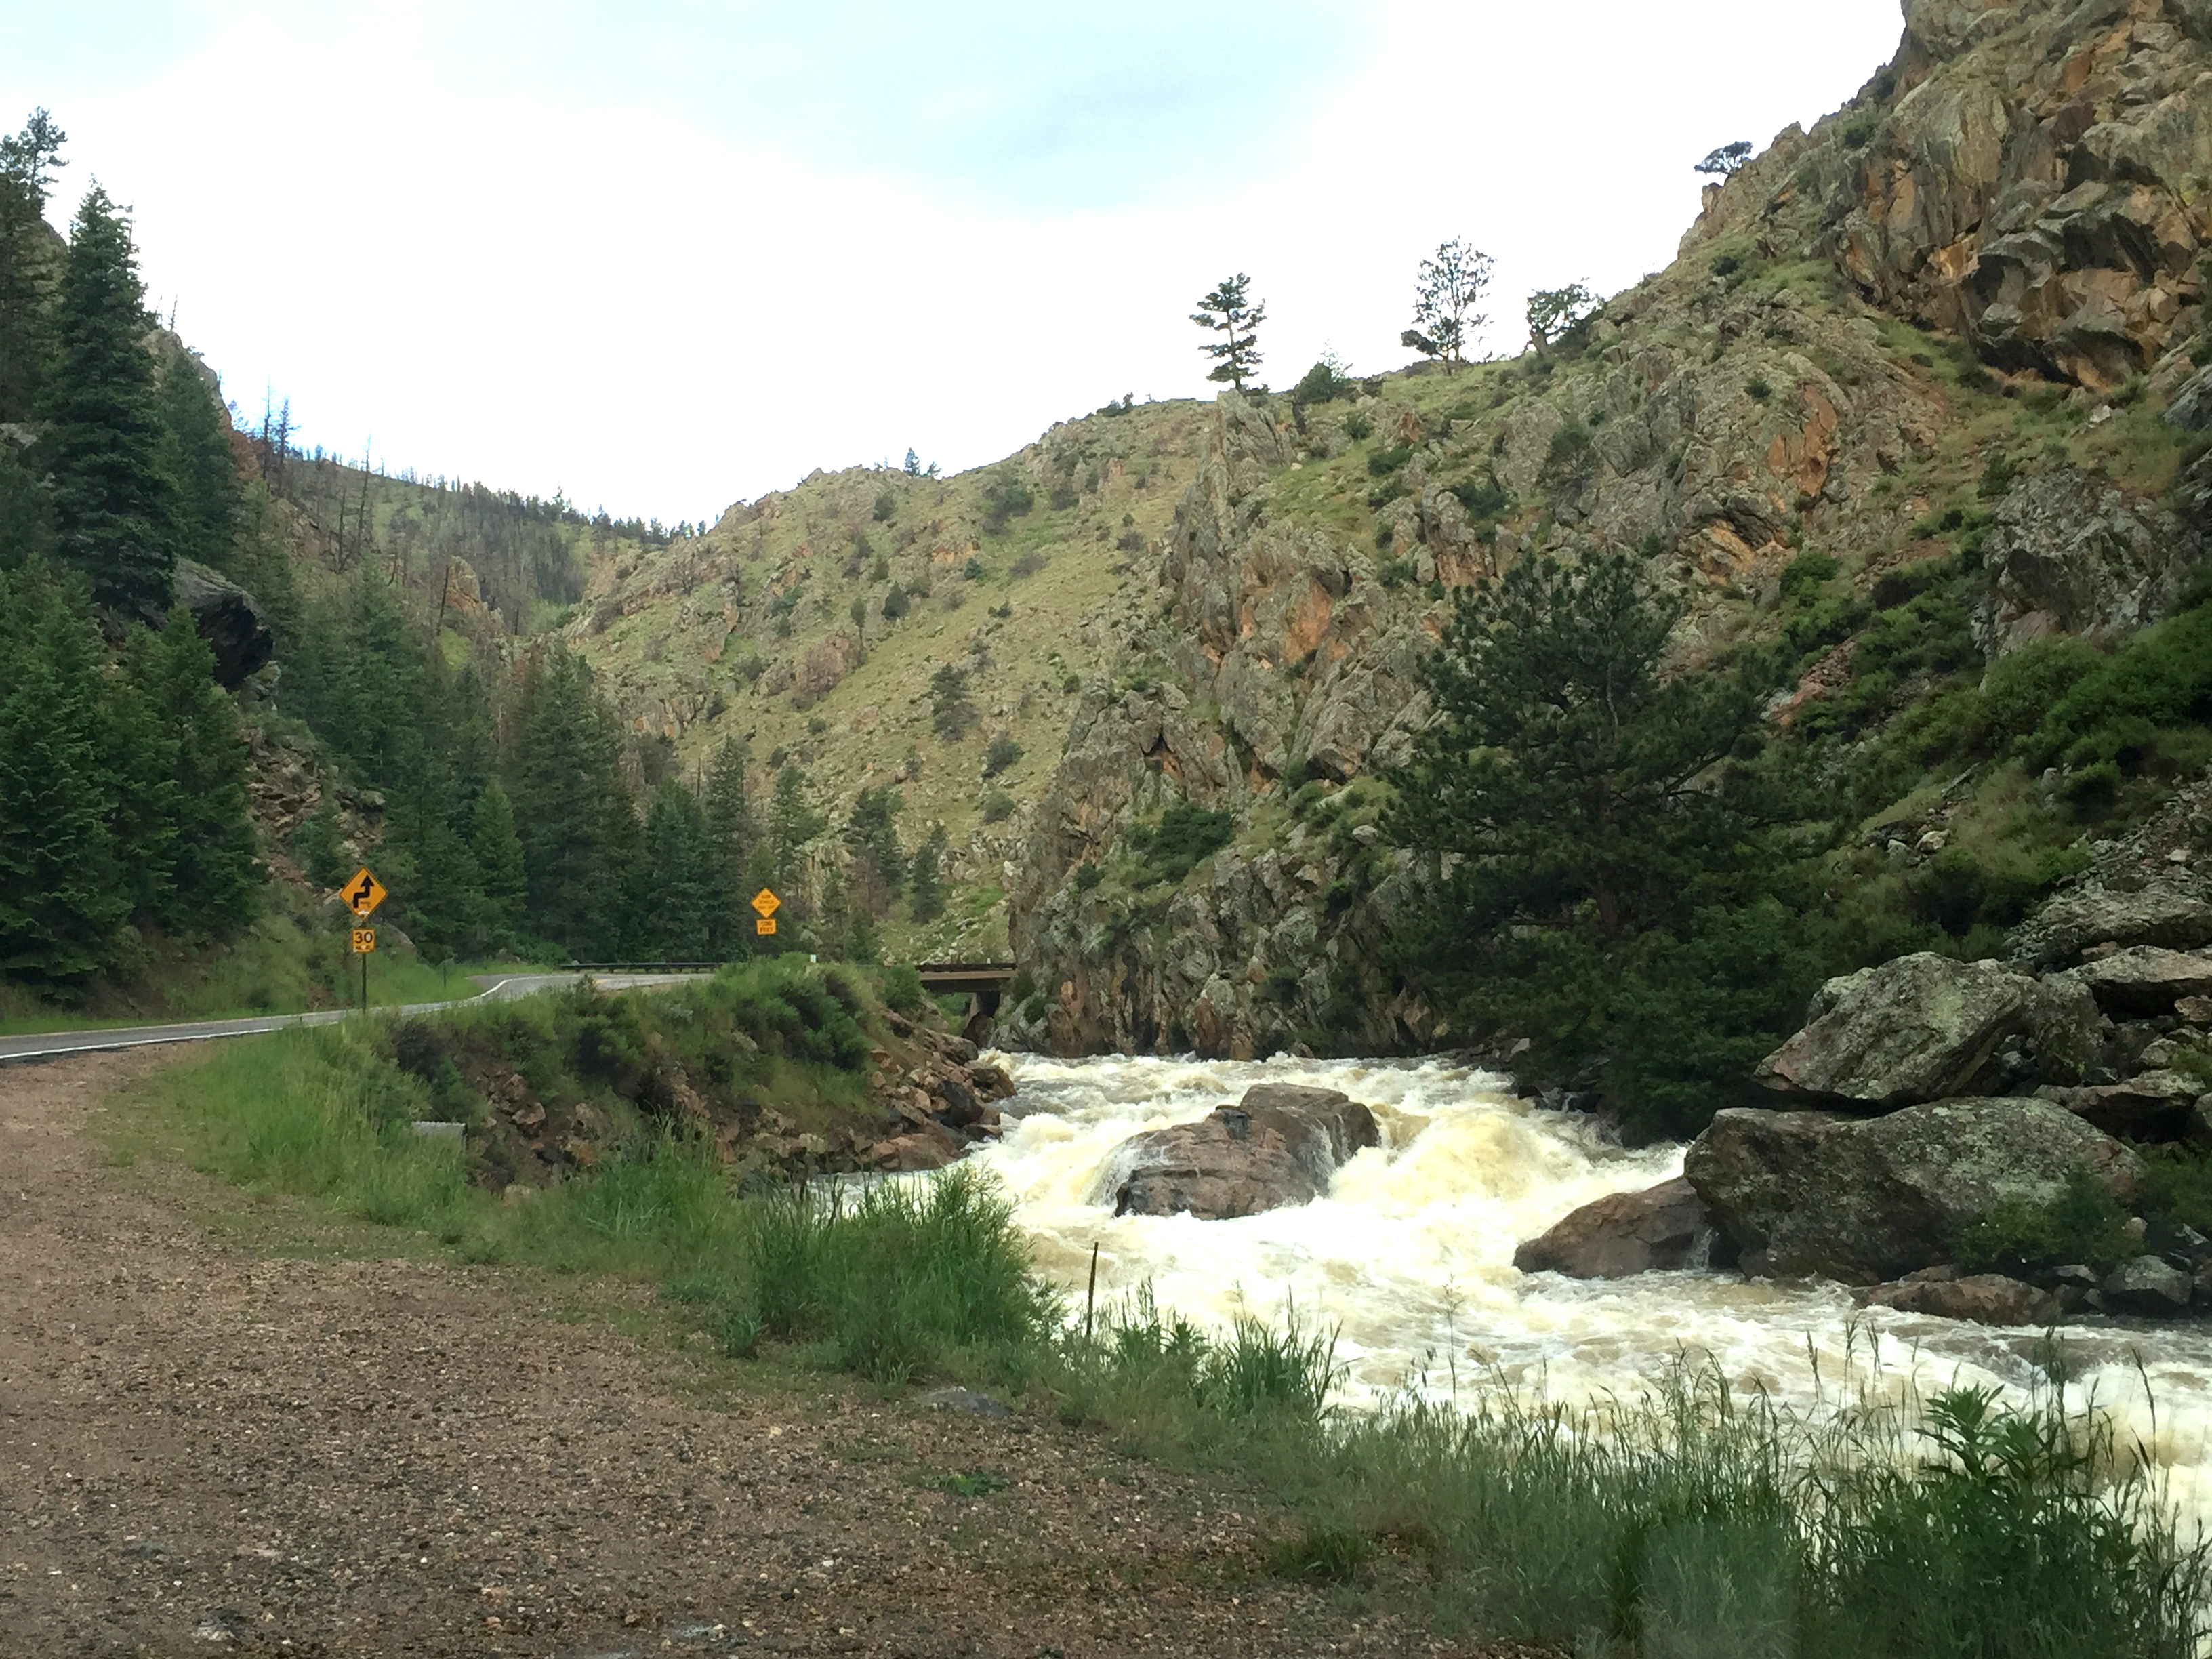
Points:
(1410, 1256)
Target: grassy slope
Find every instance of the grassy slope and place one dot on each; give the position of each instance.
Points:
(669, 633)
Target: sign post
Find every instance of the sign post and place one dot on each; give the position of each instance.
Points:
(362, 895)
(767, 904)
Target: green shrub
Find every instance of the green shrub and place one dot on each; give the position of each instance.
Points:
(1185, 837)
(1087, 876)
(1390, 458)
(2082, 1223)
(900, 985)
(1804, 577)
(998, 806)
(1323, 383)
(1001, 753)
(1483, 497)
(1034, 1006)
(1358, 427)
(1394, 572)
(1759, 389)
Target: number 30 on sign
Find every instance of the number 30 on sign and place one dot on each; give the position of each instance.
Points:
(364, 940)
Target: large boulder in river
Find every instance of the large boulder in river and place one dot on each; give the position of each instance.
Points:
(1624, 1233)
(1278, 1146)
(1923, 1027)
(1868, 1199)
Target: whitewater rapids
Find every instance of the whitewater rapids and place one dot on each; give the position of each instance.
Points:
(1409, 1258)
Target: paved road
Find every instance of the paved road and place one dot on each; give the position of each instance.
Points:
(40, 1047)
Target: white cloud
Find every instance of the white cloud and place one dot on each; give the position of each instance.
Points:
(540, 288)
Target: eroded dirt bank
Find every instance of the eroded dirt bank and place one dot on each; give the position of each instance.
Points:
(204, 1448)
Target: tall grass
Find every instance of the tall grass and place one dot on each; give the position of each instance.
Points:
(1686, 1523)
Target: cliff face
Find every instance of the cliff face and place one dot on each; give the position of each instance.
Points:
(1989, 256)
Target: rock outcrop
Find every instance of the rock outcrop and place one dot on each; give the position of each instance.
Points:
(1923, 1027)
(2071, 554)
(2145, 979)
(228, 619)
(1625, 1233)
(1867, 1200)
(1280, 1145)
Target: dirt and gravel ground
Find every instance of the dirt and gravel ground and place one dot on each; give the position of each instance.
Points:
(207, 1445)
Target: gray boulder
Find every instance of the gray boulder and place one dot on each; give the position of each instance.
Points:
(2161, 912)
(2155, 1105)
(1865, 1199)
(1923, 1027)
(228, 619)
(1624, 1233)
(2069, 553)
(1984, 1298)
(1277, 1146)
(2145, 980)
(2148, 1285)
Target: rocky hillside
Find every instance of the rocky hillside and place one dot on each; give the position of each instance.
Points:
(1946, 333)
(810, 621)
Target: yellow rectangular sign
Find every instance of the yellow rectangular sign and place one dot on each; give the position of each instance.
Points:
(364, 940)
(765, 925)
(362, 894)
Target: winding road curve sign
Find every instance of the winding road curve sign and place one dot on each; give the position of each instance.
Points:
(362, 894)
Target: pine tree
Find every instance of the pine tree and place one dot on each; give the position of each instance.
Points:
(734, 827)
(214, 875)
(682, 880)
(499, 863)
(60, 899)
(322, 853)
(102, 436)
(207, 495)
(926, 879)
(872, 839)
(1229, 311)
(572, 811)
(140, 756)
(26, 261)
(791, 822)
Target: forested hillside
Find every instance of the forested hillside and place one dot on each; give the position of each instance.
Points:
(237, 666)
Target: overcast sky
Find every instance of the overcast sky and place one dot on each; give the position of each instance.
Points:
(667, 262)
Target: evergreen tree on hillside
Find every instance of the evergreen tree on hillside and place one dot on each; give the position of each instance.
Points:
(102, 437)
(1607, 840)
(683, 879)
(27, 162)
(871, 838)
(925, 877)
(734, 826)
(321, 854)
(793, 822)
(1228, 311)
(213, 882)
(207, 494)
(572, 811)
(61, 900)
(498, 852)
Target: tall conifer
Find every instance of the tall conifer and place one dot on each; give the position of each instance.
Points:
(60, 900)
(101, 436)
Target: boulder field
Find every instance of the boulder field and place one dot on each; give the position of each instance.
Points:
(1926, 1094)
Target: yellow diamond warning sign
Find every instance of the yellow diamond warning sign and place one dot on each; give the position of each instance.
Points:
(764, 901)
(362, 894)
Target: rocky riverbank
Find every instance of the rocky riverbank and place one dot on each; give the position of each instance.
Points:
(1935, 1117)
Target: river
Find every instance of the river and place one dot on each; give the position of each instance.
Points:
(1409, 1257)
